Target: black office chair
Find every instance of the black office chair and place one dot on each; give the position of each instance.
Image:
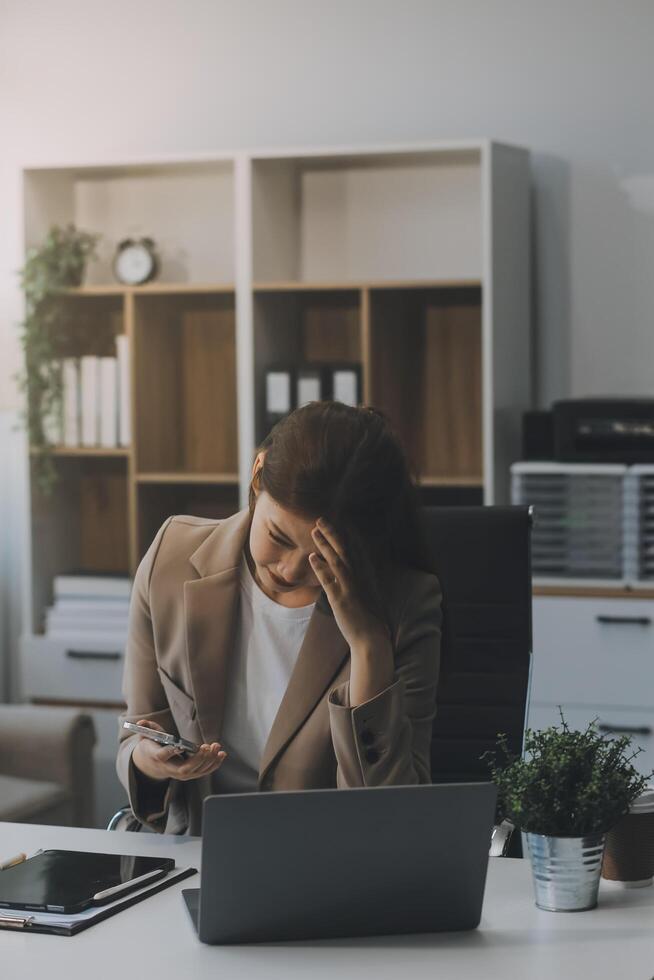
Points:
(483, 559)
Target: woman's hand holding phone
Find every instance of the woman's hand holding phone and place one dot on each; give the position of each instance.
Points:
(166, 762)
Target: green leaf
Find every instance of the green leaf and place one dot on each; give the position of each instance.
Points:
(59, 262)
(568, 783)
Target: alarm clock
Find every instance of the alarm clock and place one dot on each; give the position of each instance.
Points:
(136, 261)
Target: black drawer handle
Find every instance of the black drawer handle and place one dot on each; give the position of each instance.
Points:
(93, 655)
(626, 729)
(625, 620)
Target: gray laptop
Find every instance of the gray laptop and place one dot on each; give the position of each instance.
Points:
(342, 862)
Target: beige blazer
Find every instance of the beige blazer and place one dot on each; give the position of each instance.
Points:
(183, 616)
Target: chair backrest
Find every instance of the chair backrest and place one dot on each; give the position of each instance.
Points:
(482, 557)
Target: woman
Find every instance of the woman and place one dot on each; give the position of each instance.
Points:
(298, 641)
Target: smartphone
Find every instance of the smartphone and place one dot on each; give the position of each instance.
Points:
(163, 738)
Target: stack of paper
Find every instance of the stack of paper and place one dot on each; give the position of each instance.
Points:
(90, 606)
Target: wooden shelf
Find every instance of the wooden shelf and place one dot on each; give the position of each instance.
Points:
(108, 289)
(225, 479)
(297, 287)
(592, 592)
(450, 481)
(82, 451)
(151, 289)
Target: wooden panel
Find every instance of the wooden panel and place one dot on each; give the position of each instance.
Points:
(331, 327)
(425, 360)
(309, 326)
(451, 434)
(55, 534)
(157, 423)
(396, 357)
(224, 478)
(208, 391)
(90, 325)
(185, 367)
(83, 451)
(103, 522)
(157, 503)
(82, 524)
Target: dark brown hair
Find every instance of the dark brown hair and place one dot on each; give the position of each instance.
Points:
(346, 464)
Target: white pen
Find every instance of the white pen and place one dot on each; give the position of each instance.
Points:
(129, 885)
(10, 862)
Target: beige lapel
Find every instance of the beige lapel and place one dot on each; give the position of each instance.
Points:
(321, 656)
(210, 610)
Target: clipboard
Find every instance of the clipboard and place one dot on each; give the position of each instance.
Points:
(55, 924)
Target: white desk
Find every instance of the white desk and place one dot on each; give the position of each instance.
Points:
(155, 939)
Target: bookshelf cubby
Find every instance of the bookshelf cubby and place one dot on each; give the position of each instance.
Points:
(184, 403)
(412, 261)
(425, 364)
(407, 214)
(305, 325)
(91, 323)
(83, 524)
(157, 501)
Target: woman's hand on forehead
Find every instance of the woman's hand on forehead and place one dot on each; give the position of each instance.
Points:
(330, 564)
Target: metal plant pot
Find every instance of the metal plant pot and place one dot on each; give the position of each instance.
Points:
(566, 871)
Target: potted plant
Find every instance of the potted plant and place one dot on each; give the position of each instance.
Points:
(566, 791)
(59, 262)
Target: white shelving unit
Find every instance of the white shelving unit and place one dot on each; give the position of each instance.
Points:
(412, 260)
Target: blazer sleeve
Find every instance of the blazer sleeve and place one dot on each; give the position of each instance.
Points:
(386, 741)
(144, 697)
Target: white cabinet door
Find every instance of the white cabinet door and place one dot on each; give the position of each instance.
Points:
(593, 651)
(55, 669)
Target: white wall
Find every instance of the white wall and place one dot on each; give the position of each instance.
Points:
(571, 79)
(82, 80)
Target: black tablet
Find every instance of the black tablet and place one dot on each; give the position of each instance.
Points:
(71, 881)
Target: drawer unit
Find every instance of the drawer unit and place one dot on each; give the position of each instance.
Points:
(593, 651)
(57, 670)
(638, 723)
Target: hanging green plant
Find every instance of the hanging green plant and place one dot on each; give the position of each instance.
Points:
(50, 268)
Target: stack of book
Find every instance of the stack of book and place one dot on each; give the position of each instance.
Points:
(89, 607)
(94, 407)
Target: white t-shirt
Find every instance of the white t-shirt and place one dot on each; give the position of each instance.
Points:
(267, 643)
